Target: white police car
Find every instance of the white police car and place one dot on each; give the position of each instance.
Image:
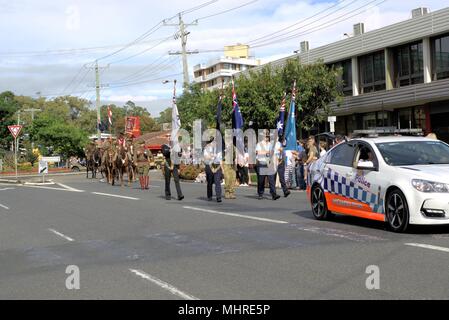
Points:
(399, 180)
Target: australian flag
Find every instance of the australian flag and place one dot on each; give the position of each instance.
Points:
(290, 130)
(280, 122)
(237, 123)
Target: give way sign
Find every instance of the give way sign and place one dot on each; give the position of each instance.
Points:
(15, 130)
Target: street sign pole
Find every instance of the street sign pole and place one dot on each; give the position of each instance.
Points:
(15, 155)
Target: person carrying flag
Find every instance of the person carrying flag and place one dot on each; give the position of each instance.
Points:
(264, 166)
(214, 173)
(279, 150)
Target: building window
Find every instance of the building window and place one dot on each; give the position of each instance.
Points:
(372, 72)
(226, 66)
(346, 76)
(409, 65)
(440, 57)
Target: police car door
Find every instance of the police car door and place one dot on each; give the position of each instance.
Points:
(367, 181)
(337, 175)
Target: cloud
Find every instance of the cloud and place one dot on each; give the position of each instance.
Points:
(28, 25)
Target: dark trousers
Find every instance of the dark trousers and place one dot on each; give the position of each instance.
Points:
(261, 181)
(213, 178)
(300, 179)
(242, 174)
(281, 173)
(168, 175)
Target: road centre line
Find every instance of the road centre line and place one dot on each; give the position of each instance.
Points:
(51, 188)
(4, 189)
(68, 188)
(427, 246)
(61, 235)
(163, 285)
(4, 207)
(114, 196)
(236, 215)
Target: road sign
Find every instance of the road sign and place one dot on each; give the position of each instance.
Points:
(43, 167)
(332, 119)
(15, 130)
(51, 159)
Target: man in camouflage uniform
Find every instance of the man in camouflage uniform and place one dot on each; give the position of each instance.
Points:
(229, 170)
(143, 166)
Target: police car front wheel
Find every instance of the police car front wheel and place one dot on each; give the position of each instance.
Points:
(319, 206)
(397, 211)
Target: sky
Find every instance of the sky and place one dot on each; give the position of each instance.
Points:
(43, 43)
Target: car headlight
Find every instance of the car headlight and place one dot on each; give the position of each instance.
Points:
(430, 186)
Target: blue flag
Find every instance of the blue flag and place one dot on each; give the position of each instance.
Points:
(237, 123)
(290, 130)
(280, 122)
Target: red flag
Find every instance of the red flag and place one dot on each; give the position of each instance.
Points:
(110, 115)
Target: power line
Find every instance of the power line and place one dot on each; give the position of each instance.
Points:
(228, 10)
(322, 26)
(74, 51)
(306, 25)
(301, 21)
(146, 81)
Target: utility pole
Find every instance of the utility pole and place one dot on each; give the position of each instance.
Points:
(184, 52)
(32, 110)
(98, 86)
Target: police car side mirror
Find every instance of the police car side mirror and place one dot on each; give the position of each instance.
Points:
(365, 165)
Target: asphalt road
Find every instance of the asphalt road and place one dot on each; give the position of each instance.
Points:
(141, 246)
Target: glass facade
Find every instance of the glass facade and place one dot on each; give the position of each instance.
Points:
(372, 72)
(346, 75)
(408, 65)
(440, 48)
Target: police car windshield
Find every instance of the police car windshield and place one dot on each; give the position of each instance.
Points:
(414, 153)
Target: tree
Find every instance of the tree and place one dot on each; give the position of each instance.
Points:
(8, 108)
(165, 116)
(55, 136)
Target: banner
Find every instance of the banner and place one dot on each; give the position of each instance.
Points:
(132, 126)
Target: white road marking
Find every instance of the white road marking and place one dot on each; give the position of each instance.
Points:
(348, 235)
(427, 246)
(164, 285)
(68, 188)
(7, 189)
(51, 188)
(61, 235)
(114, 195)
(237, 215)
(4, 207)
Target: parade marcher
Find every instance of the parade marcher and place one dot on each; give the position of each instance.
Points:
(213, 161)
(243, 168)
(299, 169)
(312, 155)
(229, 173)
(143, 167)
(263, 154)
(279, 158)
(171, 169)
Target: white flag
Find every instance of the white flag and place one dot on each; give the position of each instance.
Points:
(175, 125)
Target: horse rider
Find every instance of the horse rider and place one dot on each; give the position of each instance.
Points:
(171, 169)
(214, 173)
(143, 166)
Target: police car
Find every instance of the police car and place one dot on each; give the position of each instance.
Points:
(398, 180)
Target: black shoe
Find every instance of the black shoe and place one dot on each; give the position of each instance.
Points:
(259, 197)
(167, 197)
(276, 196)
(286, 194)
(218, 199)
(180, 198)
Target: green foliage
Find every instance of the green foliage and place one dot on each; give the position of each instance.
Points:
(58, 137)
(260, 93)
(8, 109)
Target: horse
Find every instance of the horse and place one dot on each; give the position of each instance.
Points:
(93, 163)
(122, 164)
(110, 166)
(132, 165)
